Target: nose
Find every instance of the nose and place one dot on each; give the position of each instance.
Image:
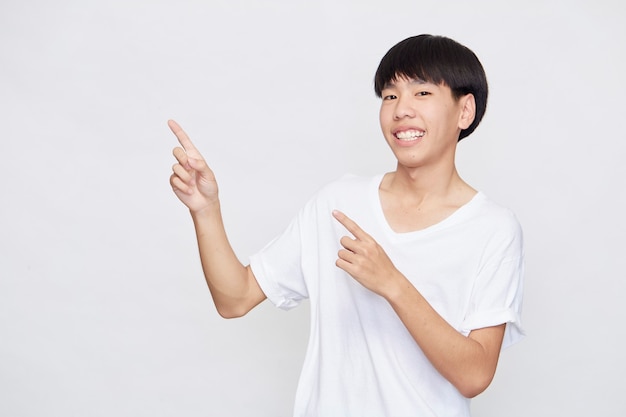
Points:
(403, 108)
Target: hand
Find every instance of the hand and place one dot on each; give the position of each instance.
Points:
(365, 260)
(193, 181)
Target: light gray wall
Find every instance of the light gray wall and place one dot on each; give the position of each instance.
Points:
(103, 308)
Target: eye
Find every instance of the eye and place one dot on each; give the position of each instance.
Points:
(422, 93)
(389, 97)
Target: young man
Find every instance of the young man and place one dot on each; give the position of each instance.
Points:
(416, 288)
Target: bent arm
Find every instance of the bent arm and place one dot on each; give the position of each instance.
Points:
(233, 287)
(469, 363)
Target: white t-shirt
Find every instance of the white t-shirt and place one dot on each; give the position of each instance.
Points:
(361, 360)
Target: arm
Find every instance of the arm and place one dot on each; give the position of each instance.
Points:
(233, 286)
(469, 363)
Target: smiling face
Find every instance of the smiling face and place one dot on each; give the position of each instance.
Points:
(421, 121)
(443, 62)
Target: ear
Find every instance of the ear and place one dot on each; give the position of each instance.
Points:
(468, 111)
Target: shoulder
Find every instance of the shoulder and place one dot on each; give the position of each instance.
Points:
(347, 185)
(343, 194)
(492, 221)
(488, 211)
(497, 223)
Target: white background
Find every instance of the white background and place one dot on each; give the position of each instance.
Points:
(103, 308)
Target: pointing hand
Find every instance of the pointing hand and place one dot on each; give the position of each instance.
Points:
(365, 260)
(192, 180)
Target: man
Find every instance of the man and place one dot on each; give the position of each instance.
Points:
(410, 310)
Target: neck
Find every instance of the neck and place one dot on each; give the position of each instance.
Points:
(426, 182)
(414, 199)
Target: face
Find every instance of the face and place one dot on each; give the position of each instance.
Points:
(421, 121)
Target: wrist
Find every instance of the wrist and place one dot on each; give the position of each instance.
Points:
(210, 210)
(398, 290)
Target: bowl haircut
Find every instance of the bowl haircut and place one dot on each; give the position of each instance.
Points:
(438, 60)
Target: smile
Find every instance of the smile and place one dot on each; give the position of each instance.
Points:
(409, 135)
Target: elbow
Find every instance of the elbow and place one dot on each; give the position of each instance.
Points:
(229, 315)
(232, 309)
(230, 312)
(471, 392)
(475, 386)
(229, 307)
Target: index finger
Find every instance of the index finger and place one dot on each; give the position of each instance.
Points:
(350, 225)
(182, 137)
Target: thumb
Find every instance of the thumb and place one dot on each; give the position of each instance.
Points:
(202, 169)
(197, 165)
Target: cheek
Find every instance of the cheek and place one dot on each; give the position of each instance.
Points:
(447, 118)
(382, 112)
(383, 117)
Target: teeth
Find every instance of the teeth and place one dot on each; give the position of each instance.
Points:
(409, 135)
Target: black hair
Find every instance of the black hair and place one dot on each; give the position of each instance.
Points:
(438, 60)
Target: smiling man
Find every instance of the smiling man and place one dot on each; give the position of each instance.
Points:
(414, 277)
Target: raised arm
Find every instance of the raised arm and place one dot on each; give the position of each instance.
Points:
(233, 286)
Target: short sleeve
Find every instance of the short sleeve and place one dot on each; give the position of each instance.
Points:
(498, 288)
(278, 267)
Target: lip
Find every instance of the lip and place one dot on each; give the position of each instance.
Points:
(406, 129)
(407, 143)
